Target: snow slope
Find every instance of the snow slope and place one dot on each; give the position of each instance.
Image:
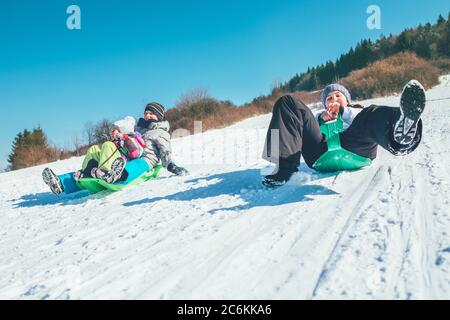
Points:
(379, 233)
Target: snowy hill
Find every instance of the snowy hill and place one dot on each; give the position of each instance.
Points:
(382, 232)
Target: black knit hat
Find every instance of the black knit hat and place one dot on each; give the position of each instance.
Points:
(157, 109)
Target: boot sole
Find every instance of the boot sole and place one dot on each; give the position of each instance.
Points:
(116, 171)
(52, 180)
(412, 104)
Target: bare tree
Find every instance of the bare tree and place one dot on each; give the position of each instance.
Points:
(194, 96)
(89, 133)
(276, 87)
(77, 144)
(102, 130)
(276, 84)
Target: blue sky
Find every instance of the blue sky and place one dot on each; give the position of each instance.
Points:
(130, 52)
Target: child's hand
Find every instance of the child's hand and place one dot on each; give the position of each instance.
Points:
(331, 113)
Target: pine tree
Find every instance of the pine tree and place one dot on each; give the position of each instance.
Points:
(28, 149)
(443, 44)
(17, 143)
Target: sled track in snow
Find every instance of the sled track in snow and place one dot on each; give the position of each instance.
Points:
(352, 219)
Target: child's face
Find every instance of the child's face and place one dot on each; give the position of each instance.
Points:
(148, 115)
(114, 134)
(336, 97)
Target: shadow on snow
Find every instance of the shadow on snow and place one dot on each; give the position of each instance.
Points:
(246, 185)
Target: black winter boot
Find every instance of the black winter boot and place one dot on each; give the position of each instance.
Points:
(179, 171)
(412, 103)
(281, 175)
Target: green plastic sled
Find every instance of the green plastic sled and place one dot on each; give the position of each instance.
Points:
(97, 185)
(337, 158)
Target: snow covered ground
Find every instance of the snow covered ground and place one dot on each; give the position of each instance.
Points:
(378, 233)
